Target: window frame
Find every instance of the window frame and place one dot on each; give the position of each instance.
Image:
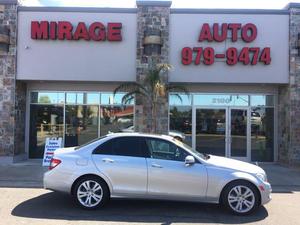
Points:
(172, 143)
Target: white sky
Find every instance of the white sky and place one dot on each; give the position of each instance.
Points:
(242, 4)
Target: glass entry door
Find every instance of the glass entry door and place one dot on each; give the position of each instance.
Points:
(211, 130)
(238, 131)
(222, 131)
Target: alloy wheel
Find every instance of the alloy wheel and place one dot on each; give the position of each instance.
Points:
(241, 199)
(89, 193)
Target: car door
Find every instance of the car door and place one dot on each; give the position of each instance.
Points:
(169, 176)
(121, 160)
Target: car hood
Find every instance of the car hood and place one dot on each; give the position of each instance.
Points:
(234, 164)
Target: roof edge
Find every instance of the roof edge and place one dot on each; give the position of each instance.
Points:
(75, 9)
(229, 11)
(154, 3)
(8, 2)
(292, 5)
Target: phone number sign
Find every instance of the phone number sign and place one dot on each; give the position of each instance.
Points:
(232, 56)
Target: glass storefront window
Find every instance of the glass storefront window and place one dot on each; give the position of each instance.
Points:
(75, 117)
(81, 122)
(46, 121)
(92, 98)
(221, 126)
(185, 99)
(181, 122)
(221, 100)
(110, 99)
(262, 100)
(116, 119)
(47, 97)
(82, 98)
(262, 134)
(74, 98)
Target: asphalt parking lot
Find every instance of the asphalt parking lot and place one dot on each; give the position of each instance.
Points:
(32, 205)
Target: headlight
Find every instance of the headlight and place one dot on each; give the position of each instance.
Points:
(262, 177)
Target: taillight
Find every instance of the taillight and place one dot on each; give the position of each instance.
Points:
(54, 163)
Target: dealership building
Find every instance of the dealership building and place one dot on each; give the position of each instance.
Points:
(59, 67)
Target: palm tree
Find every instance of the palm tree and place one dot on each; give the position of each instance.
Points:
(153, 89)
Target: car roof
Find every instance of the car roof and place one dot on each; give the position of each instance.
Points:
(137, 134)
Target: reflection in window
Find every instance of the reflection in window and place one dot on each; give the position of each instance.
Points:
(262, 100)
(211, 131)
(110, 99)
(262, 134)
(48, 97)
(175, 100)
(221, 100)
(160, 149)
(46, 121)
(81, 124)
(181, 122)
(238, 125)
(116, 119)
(82, 98)
(92, 98)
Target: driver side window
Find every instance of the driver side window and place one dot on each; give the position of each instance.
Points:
(161, 149)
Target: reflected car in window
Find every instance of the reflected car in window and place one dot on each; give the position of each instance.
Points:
(173, 133)
(132, 165)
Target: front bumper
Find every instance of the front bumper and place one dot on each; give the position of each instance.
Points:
(265, 191)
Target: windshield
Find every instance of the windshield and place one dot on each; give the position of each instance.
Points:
(87, 143)
(181, 144)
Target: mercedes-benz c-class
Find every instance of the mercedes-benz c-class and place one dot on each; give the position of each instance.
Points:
(134, 165)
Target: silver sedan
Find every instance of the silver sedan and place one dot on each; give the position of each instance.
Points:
(131, 165)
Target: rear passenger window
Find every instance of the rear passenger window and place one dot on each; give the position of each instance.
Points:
(124, 146)
(105, 148)
(127, 146)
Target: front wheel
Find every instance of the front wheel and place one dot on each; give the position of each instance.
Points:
(91, 193)
(241, 197)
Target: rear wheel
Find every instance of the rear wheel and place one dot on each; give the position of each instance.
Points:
(241, 197)
(91, 193)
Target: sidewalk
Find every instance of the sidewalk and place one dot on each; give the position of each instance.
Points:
(282, 178)
(30, 174)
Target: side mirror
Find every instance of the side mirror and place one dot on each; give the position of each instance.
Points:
(189, 160)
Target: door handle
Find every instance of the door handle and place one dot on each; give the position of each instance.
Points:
(156, 165)
(107, 160)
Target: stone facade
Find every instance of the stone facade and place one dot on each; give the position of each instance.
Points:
(11, 135)
(152, 18)
(20, 116)
(289, 99)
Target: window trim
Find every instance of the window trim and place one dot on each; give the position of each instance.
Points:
(170, 142)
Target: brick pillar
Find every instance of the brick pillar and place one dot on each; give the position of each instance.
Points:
(8, 120)
(289, 98)
(152, 21)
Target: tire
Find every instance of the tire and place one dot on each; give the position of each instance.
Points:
(91, 193)
(241, 197)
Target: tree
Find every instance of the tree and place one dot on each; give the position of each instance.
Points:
(152, 89)
(44, 99)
